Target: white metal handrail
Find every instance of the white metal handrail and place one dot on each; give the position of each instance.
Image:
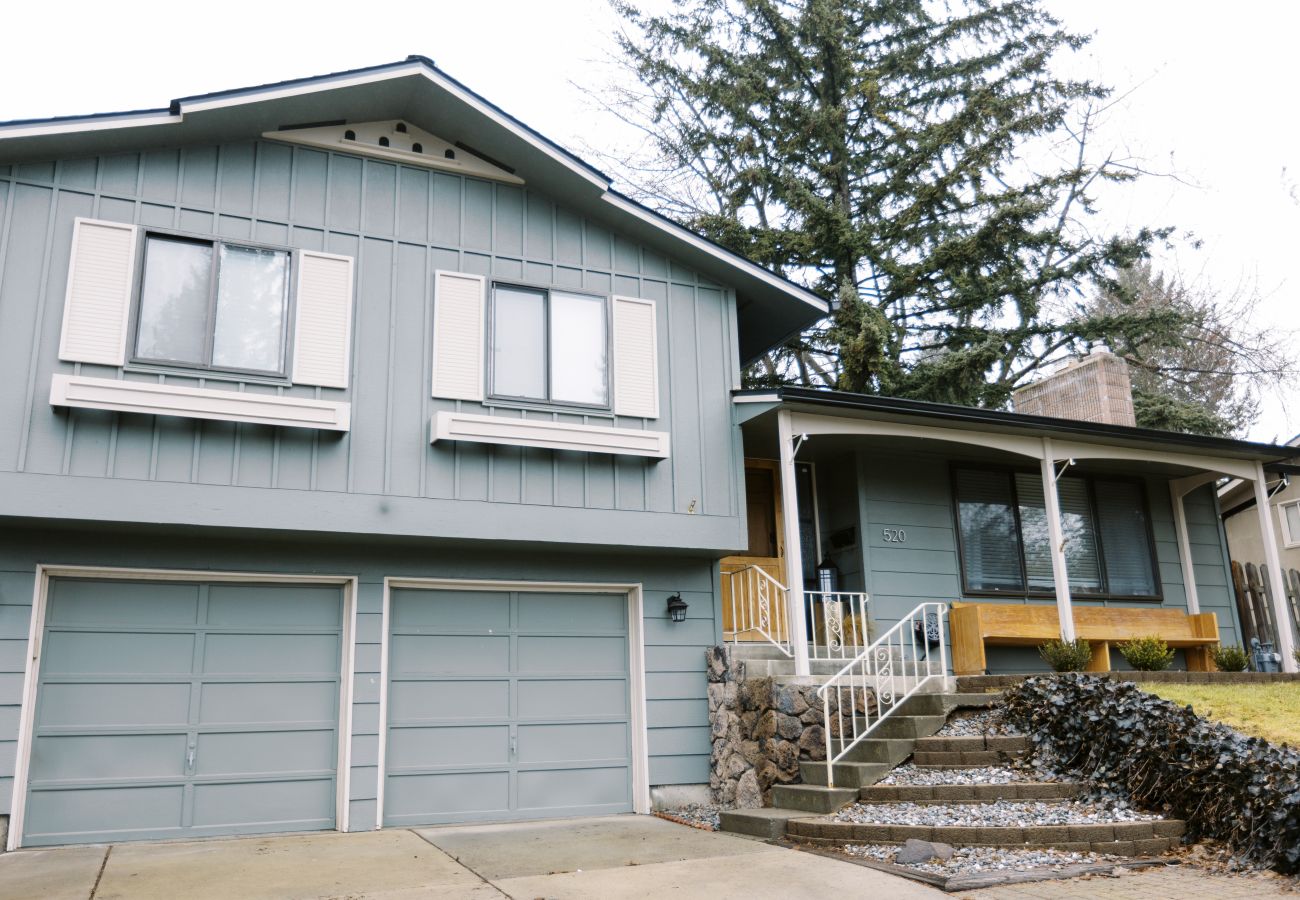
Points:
(878, 680)
(840, 628)
(760, 605)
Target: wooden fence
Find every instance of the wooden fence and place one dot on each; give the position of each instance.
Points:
(1254, 595)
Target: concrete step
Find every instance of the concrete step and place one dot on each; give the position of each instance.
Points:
(811, 798)
(911, 727)
(941, 704)
(847, 774)
(969, 793)
(1119, 838)
(890, 751)
(769, 823)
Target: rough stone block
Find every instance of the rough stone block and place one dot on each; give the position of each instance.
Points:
(915, 793)
(951, 835)
(1116, 848)
(1133, 831)
(1151, 847)
(1169, 828)
(1003, 836)
(873, 833)
(954, 793)
(902, 833)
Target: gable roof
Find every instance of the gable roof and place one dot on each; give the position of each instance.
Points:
(770, 307)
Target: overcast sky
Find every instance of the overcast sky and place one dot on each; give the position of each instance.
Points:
(1214, 96)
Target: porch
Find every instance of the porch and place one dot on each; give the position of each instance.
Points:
(913, 502)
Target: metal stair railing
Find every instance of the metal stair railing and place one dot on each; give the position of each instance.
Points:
(872, 687)
(760, 605)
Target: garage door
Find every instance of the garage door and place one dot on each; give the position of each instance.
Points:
(177, 709)
(506, 706)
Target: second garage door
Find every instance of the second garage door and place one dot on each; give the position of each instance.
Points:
(506, 705)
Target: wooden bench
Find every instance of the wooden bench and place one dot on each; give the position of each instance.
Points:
(975, 625)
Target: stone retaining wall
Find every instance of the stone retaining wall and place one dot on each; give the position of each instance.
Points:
(761, 729)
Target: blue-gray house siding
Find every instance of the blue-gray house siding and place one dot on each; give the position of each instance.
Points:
(400, 224)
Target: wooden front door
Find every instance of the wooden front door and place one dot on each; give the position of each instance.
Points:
(766, 551)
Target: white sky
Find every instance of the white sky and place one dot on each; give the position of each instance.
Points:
(1216, 96)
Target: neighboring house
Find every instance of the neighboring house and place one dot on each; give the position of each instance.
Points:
(1240, 518)
(360, 448)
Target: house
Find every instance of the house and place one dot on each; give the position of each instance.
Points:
(1241, 521)
(368, 461)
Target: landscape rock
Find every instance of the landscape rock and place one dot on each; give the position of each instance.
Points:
(914, 851)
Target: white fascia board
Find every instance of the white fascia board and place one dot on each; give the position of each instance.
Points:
(454, 426)
(732, 259)
(88, 123)
(311, 86)
(757, 398)
(150, 398)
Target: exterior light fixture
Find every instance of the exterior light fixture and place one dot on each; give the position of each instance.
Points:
(677, 608)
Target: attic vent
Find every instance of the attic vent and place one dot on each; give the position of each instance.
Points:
(401, 141)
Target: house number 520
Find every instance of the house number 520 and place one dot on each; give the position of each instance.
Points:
(895, 536)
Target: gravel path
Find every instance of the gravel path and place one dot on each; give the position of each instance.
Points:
(986, 815)
(972, 860)
(707, 816)
(985, 721)
(910, 774)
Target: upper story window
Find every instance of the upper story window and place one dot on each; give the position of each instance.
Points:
(1290, 513)
(548, 346)
(212, 305)
(1003, 535)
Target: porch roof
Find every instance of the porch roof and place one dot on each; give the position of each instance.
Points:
(762, 404)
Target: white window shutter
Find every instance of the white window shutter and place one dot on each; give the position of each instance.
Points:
(636, 359)
(458, 314)
(322, 337)
(97, 305)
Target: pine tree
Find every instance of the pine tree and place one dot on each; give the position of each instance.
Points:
(920, 163)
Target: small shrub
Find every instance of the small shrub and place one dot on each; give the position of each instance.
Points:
(1066, 656)
(1148, 654)
(1230, 659)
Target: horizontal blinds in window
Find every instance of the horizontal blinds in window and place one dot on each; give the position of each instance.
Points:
(1077, 530)
(1125, 537)
(98, 300)
(990, 546)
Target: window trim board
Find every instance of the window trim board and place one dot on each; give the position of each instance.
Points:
(1289, 541)
(548, 435)
(1104, 595)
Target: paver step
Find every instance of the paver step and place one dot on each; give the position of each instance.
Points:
(1119, 838)
(969, 793)
(811, 798)
(1009, 743)
(964, 759)
(847, 774)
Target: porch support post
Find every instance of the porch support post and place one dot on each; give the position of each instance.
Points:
(793, 546)
(1176, 494)
(1285, 637)
(1060, 574)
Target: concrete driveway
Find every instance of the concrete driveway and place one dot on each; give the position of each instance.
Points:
(618, 856)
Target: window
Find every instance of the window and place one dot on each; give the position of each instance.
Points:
(1003, 535)
(1290, 514)
(212, 305)
(548, 346)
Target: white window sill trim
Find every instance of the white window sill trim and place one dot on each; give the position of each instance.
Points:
(512, 432)
(198, 403)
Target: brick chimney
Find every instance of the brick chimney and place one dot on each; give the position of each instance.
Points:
(1092, 388)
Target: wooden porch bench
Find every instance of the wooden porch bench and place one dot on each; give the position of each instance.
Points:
(975, 625)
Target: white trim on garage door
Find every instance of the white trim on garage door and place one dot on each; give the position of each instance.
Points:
(636, 665)
(26, 720)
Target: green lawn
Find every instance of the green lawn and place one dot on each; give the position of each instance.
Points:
(1269, 711)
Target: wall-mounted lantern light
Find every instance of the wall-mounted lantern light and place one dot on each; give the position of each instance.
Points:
(677, 608)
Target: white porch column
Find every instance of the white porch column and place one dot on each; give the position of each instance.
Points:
(1277, 587)
(793, 546)
(1060, 574)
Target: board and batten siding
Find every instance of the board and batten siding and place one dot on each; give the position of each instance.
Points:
(913, 492)
(676, 708)
(400, 224)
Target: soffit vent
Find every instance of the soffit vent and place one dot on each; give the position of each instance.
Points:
(395, 140)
